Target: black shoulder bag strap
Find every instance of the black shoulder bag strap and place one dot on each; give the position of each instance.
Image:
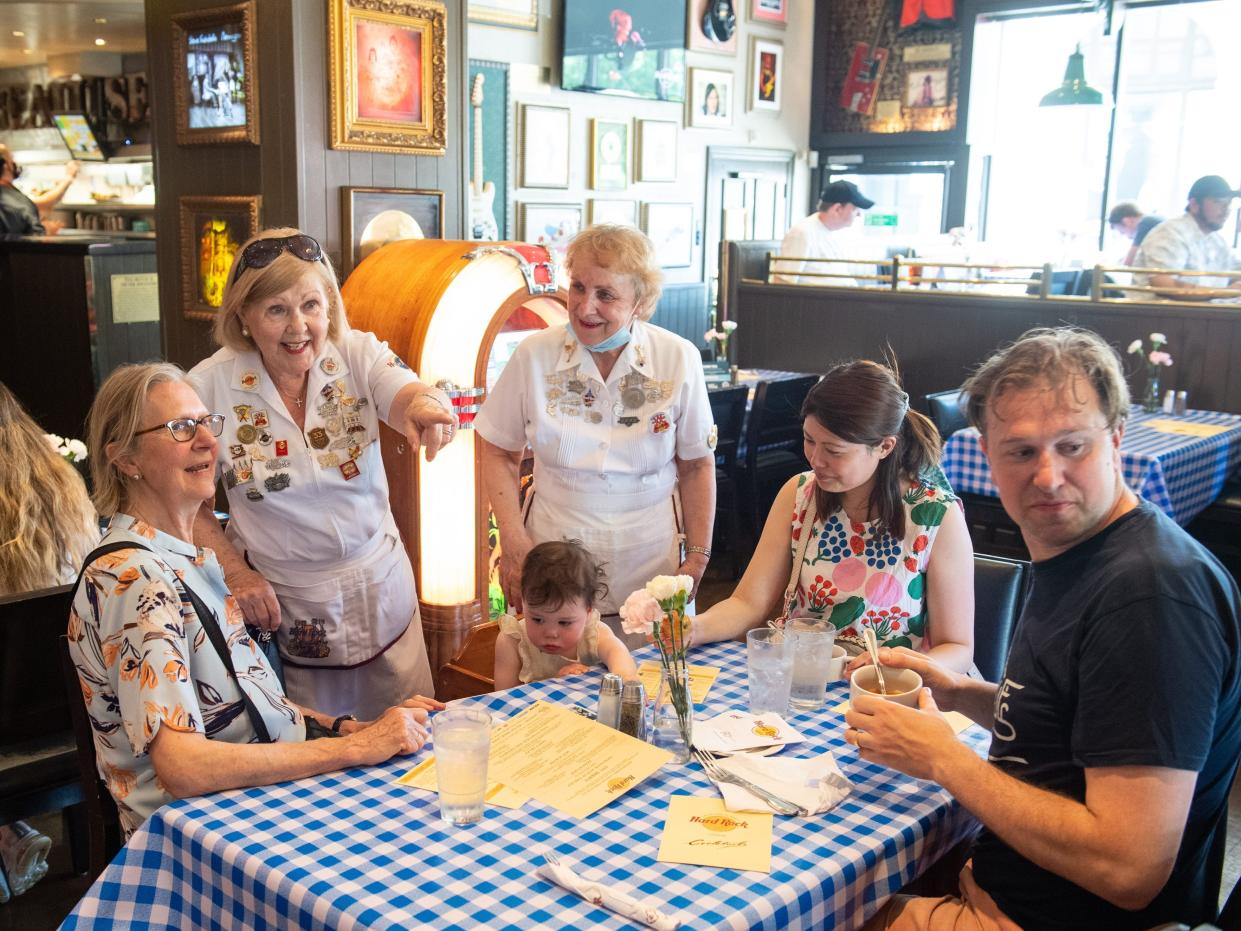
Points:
(209, 624)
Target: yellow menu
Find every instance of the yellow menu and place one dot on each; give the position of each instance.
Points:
(1187, 428)
(700, 679)
(958, 721)
(564, 760)
(423, 776)
(702, 832)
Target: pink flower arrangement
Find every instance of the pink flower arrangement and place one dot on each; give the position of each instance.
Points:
(1159, 358)
(658, 610)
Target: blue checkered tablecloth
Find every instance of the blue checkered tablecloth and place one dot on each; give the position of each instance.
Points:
(1179, 474)
(351, 850)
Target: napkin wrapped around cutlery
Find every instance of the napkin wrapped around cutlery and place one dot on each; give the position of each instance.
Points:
(563, 875)
(815, 783)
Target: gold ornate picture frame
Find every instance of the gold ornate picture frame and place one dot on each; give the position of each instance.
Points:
(389, 80)
(212, 230)
(215, 78)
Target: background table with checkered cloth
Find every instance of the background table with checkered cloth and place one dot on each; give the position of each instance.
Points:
(353, 850)
(1179, 474)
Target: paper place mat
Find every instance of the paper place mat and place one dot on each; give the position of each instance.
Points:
(700, 679)
(423, 776)
(702, 832)
(1187, 428)
(958, 721)
(740, 730)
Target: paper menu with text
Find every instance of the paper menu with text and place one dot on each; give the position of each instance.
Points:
(423, 776)
(702, 832)
(700, 679)
(568, 762)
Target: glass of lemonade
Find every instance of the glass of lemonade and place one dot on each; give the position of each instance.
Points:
(769, 662)
(812, 663)
(462, 742)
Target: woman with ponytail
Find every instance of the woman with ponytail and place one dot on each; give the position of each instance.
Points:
(872, 536)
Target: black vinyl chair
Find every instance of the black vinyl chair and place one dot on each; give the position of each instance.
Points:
(728, 409)
(999, 590)
(947, 411)
(773, 444)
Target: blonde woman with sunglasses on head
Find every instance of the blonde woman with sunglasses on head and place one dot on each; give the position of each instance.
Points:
(312, 552)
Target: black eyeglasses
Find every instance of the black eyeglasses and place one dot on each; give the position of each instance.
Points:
(262, 252)
(183, 429)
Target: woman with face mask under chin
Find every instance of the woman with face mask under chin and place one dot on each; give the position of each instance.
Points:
(616, 413)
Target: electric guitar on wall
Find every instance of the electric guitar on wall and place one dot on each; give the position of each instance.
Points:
(482, 193)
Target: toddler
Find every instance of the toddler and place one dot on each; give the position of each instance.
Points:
(561, 634)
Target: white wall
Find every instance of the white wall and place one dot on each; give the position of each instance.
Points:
(534, 77)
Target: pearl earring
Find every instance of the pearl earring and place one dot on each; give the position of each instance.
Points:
(245, 331)
(137, 476)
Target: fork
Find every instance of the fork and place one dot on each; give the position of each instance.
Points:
(717, 774)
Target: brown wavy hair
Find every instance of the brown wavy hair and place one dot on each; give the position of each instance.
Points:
(47, 523)
(559, 571)
(863, 402)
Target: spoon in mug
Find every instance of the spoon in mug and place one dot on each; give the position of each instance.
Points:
(872, 647)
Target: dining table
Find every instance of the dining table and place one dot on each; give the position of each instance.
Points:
(1179, 462)
(353, 849)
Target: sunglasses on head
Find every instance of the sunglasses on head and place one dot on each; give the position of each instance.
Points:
(262, 252)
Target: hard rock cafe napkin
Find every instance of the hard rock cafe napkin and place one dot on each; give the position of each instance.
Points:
(815, 783)
(739, 730)
(557, 870)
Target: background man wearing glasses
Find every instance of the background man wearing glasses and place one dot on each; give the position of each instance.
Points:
(1193, 240)
(1116, 728)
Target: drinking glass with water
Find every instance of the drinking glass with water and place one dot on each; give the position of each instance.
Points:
(812, 664)
(769, 662)
(462, 742)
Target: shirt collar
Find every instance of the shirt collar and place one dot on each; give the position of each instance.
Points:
(635, 357)
(250, 376)
(164, 541)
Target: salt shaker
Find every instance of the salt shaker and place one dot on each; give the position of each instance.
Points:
(1182, 403)
(609, 700)
(633, 709)
(1169, 401)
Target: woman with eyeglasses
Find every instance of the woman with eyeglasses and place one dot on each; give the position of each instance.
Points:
(177, 691)
(312, 552)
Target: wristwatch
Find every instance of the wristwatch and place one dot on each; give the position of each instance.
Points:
(336, 724)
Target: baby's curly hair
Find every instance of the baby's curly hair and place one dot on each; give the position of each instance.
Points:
(559, 571)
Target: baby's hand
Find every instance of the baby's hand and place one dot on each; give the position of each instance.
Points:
(573, 669)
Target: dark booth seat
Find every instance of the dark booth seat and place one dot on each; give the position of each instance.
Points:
(999, 590)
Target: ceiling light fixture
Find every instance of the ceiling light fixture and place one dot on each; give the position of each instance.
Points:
(101, 41)
(101, 20)
(1074, 90)
(18, 33)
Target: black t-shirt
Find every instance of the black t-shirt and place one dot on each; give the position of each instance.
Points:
(1145, 225)
(1125, 654)
(18, 214)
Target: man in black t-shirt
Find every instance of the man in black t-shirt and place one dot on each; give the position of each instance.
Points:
(1117, 726)
(19, 215)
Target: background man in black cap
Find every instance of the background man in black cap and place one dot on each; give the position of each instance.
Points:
(812, 238)
(19, 215)
(1193, 240)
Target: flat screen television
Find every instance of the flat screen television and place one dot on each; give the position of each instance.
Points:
(79, 138)
(631, 48)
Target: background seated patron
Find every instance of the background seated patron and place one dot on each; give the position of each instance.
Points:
(1193, 241)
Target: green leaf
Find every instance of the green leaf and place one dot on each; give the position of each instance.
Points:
(916, 586)
(917, 624)
(929, 514)
(899, 642)
(847, 612)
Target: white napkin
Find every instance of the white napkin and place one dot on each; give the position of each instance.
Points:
(562, 874)
(740, 730)
(816, 783)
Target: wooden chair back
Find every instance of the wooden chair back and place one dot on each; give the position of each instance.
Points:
(472, 670)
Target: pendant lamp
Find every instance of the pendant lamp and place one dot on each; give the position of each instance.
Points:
(1074, 90)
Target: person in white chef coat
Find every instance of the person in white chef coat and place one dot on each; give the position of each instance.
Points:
(616, 413)
(312, 551)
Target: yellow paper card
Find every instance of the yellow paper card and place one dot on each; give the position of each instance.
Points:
(423, 776)
(1185, 428)
(701, 679)
(958, 721)
(702, 832)
(564, 760)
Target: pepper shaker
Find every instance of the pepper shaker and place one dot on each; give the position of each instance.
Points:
(633, 709)
(609, 700)
(1182, 403)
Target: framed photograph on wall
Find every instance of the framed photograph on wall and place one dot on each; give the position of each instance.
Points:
(544, 146)
(389, 76)
(711, 99)
(374, 216)
(621, 212)
(519, 14)
(770, 12)
(550, 225)
(926, 87)
(491, 149)
(657, 150)
(215, 83)
(212, 230)
(671, 229)
(712, 26)
(766, 80)
(609, 155)
(633, 49)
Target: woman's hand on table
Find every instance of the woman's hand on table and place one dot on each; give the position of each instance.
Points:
(397, 731)
(421, 701)
(256, 598)
(429, 422)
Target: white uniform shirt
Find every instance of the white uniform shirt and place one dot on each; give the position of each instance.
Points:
(600, 439)
(1181, 243)
(312, 497)
(809, 238)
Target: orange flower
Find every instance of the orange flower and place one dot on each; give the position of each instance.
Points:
(125, 579)
(148, 679)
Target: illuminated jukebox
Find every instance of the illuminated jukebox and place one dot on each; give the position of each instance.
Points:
(454, 311)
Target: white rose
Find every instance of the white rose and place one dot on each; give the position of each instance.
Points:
(685, 583)
(54, 440)
(1135, 346)
(662, 587)
(729, 325)
(1158, 338)
(77, 450)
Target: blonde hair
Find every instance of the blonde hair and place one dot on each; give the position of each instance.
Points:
(258, 284)
(115, 418)
(624, 251)
(47, 524)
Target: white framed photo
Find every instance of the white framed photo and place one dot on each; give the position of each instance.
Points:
(711, 98)
(657, 150)
(671, 230)
(620, 212)
(550, 225)
(544, 146)
(766, 80)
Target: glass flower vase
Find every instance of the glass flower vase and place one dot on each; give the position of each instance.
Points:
(672, 725)
(1150, 400)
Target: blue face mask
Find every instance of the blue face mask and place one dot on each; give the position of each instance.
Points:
(618, 339)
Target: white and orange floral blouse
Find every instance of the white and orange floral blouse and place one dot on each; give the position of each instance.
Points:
(145, 662)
